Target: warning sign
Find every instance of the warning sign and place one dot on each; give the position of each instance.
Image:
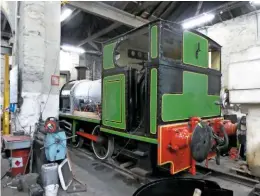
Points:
(17, 162)
(55, 80)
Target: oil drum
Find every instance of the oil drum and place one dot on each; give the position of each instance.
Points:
(182, 187)
(19, 160)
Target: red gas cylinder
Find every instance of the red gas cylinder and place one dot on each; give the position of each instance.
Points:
(19, 159)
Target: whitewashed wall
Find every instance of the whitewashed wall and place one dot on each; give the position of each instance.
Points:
(240, 42)
(240, 39)
(68, 62)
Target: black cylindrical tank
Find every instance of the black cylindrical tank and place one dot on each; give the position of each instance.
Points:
(182, 187)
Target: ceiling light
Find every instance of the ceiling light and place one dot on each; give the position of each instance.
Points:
(198, 21)
(73, 49)
(255, 2)
(65, 14)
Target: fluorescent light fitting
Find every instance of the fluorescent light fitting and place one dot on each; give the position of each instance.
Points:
(255, 2)
(72, 49)
(65, 14)
(198, 21)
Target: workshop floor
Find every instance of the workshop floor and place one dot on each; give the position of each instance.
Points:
(101, 180)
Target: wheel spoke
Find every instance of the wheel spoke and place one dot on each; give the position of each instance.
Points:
(104, 150)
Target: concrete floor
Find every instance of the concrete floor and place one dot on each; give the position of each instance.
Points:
(105, 181)
(225, 167)
(238, 190)
(99, 180)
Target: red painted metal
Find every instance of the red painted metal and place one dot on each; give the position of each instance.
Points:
(50, 126)
(20, 148)
(233, 153)
(174, 148)
(210, 156)
(192, 169)
(230, 128)
(19, 159)
(174, 143)
(88, 136)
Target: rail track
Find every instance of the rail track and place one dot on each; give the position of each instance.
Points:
(110, 163)
(202, 172)
(238, 179)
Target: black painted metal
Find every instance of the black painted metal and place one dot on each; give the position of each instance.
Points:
(81, 72)
(182, 187)
(201, 142)
(170, 71)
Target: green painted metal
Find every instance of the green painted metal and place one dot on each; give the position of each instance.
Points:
(153, 101)
(79, 118)
(130, 136)
(194, 101)
(108, 56)
(154, 42)
(192, 43)
(74, 127)
(113, 107)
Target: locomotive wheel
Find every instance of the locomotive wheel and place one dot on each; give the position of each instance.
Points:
(105, 148)
(78, 143)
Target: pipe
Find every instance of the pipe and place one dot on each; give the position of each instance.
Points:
(17, 54)
(230, 128)
(6, 114)
(226, 140)
(223, 146)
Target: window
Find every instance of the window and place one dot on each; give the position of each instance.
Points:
(171, 44)
(133, 51)
(214, 59)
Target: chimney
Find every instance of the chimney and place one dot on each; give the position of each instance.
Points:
(81, 72)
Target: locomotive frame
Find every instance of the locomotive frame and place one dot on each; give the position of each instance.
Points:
(161, 98)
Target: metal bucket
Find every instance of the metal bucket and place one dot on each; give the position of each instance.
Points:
(182, 187)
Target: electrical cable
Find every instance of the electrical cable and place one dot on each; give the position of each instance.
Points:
(41, 112)
(132, 133)
(128, 141)
(121, 149)
(16, 116)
